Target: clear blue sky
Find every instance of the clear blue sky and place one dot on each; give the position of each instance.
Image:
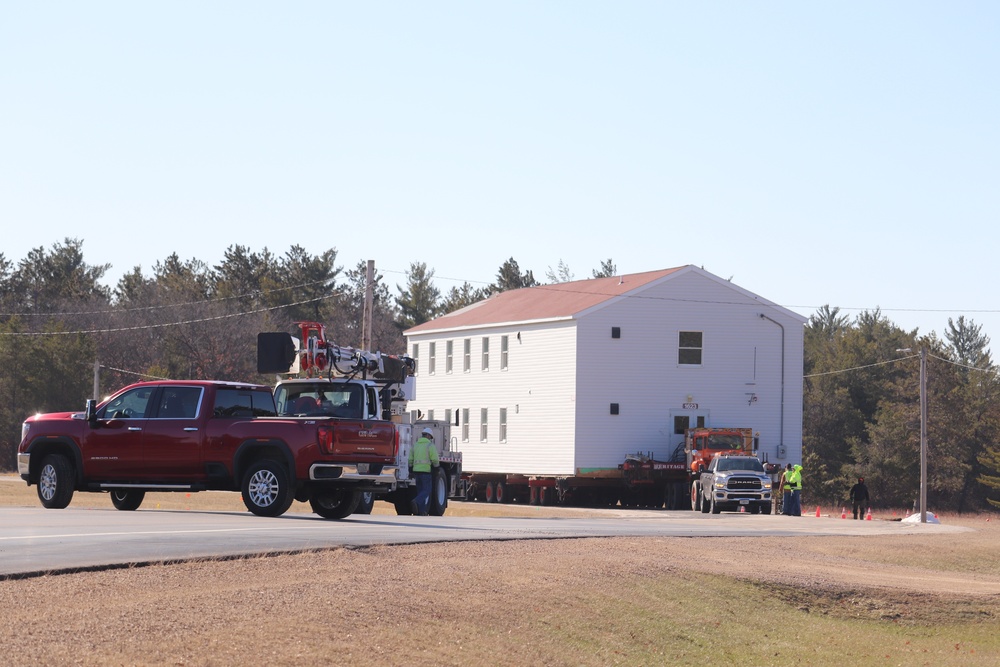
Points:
(817, 153)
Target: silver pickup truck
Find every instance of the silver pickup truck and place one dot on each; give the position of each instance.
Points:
(731, 482)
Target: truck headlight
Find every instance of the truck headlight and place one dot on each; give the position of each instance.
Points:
(767, 485)
(720, 483)
(25, 427)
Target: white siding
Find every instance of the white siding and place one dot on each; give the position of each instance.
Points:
(563, 377)
(538, 390)
(741, 361)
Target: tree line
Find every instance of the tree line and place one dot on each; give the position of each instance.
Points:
(190, 320)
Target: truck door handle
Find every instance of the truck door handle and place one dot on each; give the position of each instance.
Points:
(191, 428)
(135, 428)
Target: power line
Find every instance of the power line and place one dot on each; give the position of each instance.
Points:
(165, 324)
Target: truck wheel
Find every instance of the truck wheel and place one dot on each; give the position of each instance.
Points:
(403, 508)
(439, 493)
(127, 500)
(705, 506)
(715, 508)
(55, 482)
(491, 492)
(336, 504)
(502, 493)
(765, 509)
(695, 497)
(366, 503)
(267, 489)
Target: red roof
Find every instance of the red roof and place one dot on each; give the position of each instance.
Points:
(545, 302)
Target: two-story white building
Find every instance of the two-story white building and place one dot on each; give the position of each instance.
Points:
(569, 378)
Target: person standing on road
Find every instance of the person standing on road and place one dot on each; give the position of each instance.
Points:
(785, 489)
(795, 481)
(423, 456)
(860, 498)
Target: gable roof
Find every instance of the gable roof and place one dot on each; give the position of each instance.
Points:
(545, 302)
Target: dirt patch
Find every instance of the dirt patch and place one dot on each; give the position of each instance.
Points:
(578, 601)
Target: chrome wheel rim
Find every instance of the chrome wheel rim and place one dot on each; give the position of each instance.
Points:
(263, 488)
(47, 482)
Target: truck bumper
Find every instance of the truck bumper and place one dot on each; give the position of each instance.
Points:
(357, 473)
(733, 500)
(24, 465)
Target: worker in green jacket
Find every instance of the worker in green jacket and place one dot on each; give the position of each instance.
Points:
(423, 457)
(795, 480)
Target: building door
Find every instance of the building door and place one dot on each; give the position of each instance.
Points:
(681, 420)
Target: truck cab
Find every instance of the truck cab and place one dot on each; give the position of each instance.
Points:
(732, 482)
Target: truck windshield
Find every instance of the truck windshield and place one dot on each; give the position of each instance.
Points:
(337, 400)
(725, 441)
(741, 464)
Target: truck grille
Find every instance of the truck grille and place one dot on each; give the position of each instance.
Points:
(744, 483)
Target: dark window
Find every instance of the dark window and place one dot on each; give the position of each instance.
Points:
(614, 408)
(689, 348)
(179, 402)
(231, 403)
(681, 424)
(616, 332)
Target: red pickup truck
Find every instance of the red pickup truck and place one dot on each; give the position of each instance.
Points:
(201, 435)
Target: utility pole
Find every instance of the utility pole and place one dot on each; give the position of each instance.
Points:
(97, 380)
(923, 435)
(367, 315)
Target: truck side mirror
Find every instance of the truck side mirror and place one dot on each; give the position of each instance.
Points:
(91, 412)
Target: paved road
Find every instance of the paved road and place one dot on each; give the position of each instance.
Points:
(35, 540)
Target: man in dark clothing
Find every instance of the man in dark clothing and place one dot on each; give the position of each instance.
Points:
(859, 498)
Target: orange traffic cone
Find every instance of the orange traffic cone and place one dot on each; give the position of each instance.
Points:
(868, 517)
(843, 512)
(817, 511)
(743, 509)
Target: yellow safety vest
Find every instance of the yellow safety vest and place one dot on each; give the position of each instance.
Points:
(423, 455)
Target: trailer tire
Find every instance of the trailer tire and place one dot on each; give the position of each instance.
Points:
(403, 508)
(366, 503)
(127, 500)
(695, 497)
(533, 495)
(491, 492)
(336, 504)
(501, 493)
(439, 492)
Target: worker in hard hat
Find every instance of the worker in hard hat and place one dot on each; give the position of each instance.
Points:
(423, 457)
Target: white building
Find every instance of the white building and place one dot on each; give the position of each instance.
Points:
(569, 378)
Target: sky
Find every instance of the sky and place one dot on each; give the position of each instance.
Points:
(843, 154)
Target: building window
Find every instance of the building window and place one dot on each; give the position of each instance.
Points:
(483, 422)
(681, 424)
(447, 415)
(467, 355)
(430, 415)
(465, 424)
(486, 354)
(416, 358)
(449, 349)
(503, 353)
(503, 424)
(689, 348)
(431, 352)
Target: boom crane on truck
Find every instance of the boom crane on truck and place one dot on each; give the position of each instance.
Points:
(330, 380)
